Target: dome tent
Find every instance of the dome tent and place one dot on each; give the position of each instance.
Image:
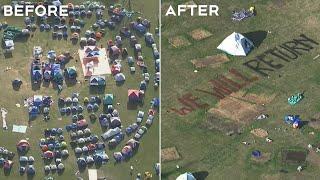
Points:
(23, 146)
(186, 176)
(236, 44)
(71, 72)
(120, 77)
(108, 99)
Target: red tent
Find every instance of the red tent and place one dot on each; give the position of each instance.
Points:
(82, 123)
(48, 154)
(7, 164)
(133, 95)
(115, 69)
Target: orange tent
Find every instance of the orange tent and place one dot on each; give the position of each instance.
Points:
(98, 35)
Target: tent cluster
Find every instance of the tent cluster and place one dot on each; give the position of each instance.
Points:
(11, 33)
(140, 25)
(72, 106)
(26, 165)
(293, 120)
(87, 147)
(54, 146)
(6, 157)
(39, 104)
(51, 70)
(127, 151)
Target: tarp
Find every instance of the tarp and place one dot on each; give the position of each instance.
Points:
(19, 128)
(236, 44)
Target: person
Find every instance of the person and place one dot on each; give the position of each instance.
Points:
(59, 88)
(131, 170)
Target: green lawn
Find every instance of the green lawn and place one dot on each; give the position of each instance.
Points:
(224, 157)
(148, 153)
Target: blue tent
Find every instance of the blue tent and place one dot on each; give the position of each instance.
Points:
(256, 154)
(140, 28)
(33, 111)
(97, 81)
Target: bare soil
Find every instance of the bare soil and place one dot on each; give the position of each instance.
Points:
(169, 154)
(212, 61)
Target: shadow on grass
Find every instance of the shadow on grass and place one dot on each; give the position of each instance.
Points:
(256, 37)
(97, 90)
(200, 175)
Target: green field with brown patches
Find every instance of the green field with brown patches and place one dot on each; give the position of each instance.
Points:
(148, 153)
(202, 144)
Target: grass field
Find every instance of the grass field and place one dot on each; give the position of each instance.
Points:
(148, 153)
(211, 151)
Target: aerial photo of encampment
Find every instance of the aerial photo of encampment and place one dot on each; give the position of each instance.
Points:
(79, 92)
(240, 92)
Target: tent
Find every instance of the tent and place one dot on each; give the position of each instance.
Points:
(108, 99)
(7, 165)
(120, 77)
(71, 72)
(31, 170)
(97, 81)
(114, 51)
(133, 144)
(236, 44)
(186, 176)
(23, 146)
(48, 154)
(36, 72)
(115, 122)
(133, 95)
(126, 151)
(117, 156)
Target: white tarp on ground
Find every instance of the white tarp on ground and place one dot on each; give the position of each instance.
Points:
(236, 44)
(19, 129)
(4, 113)
(93, 175)
(100, 68)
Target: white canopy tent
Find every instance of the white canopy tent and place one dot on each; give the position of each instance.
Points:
(236, 44)
(186, 176)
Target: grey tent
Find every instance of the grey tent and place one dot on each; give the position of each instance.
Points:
(119, 77)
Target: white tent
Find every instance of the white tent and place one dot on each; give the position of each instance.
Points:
(119, 77)
(236, 44)
(186, 176)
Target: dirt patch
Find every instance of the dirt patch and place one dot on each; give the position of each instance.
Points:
(254, 98)
(259, 132)
(270, 177)
(169, 154)
(179, 41)
(294, 157)
(312, 22)
(237, 110)
(212, 61)
(314, 158)
(200, 34)
(214, 122)
(265, 157)
(314, 123)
